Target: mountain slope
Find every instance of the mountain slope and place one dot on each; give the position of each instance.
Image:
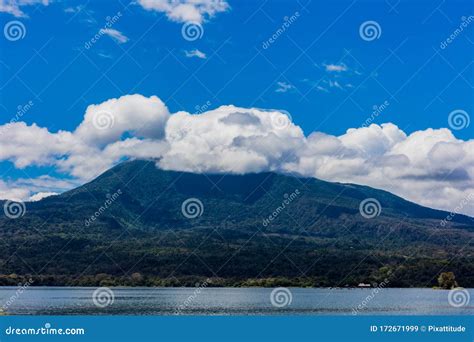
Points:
(251, 229)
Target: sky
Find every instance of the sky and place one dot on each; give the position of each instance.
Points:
(370, 92)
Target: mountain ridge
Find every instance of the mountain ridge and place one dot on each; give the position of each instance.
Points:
(311, 222)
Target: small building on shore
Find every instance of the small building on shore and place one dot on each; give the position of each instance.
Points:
(363, 285)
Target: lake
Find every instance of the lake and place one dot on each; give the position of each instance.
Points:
(231, 301)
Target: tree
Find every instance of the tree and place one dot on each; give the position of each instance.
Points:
(446, 280)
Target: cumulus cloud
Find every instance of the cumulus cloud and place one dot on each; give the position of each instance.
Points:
(430, 167)
(186, 10)
(130, 126)
(228, 139)
(135, 114)
(14, 7)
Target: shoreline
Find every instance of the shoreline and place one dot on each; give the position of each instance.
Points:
(230, 287)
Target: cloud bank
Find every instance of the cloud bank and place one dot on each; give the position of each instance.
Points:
(430, 167)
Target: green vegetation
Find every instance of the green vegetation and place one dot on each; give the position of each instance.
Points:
(446, 280)
(142, 238)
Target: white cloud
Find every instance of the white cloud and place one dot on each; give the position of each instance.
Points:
(129, 121)
(104, 55)
(335, 84)
(11, 192)
(118, 36)
(34, 189)
(335, 67)
(430, 167)
(109, 121)
(40, 195)
(14, 7)
(74, 9)
(283, 87)
(228, 139)
(186, 10)
(195, 53)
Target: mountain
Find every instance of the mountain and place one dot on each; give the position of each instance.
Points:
(138, 225)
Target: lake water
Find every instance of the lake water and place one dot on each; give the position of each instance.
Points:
(230, 301)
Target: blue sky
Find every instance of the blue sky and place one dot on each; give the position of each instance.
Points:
(320, 69)
(402, 66)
